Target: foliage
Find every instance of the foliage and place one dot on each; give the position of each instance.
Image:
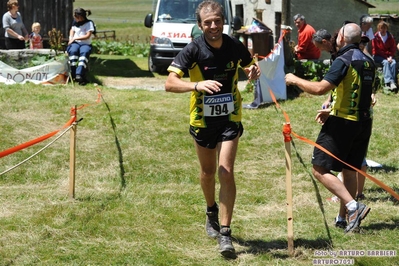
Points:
(125, 48)
(251, 84)
(56, 40)
(310, 70)
(31, 61)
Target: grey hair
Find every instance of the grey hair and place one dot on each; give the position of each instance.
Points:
(299, 16)
(321, 34)
(366, 19)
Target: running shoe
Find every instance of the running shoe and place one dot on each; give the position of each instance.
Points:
(225, 244)
(355, 217)
(212, 224)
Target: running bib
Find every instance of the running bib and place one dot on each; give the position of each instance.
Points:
(218, 105)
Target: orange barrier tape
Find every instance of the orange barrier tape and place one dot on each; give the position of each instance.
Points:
(49, 135)
(287, 129)
(287, 132)
(35, 141)
(279, 40)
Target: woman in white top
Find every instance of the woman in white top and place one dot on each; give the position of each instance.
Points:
(15, 31)
(79, 45)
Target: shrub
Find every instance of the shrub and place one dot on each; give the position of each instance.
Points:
(126, 48)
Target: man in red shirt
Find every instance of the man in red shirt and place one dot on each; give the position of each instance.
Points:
(305, 49)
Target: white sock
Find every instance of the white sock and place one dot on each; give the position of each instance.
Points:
(339, 219)
(351, 205)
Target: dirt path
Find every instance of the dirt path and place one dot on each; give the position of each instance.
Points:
(152, 84)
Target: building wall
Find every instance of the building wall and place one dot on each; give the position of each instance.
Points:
(49, 13)
(327, 14)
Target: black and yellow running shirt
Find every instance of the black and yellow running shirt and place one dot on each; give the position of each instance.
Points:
(353, 73)
(204, 62)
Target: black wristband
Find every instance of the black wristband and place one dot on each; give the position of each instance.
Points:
(195, 87)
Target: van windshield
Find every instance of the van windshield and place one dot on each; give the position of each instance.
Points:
(180, 11)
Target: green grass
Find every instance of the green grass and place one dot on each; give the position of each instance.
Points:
(138, 200)
(384, 6)
(126, 17)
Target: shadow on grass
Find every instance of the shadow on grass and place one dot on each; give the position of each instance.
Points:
(260, 247)
(317, 191)
(115, 67)
(382, 226)
(385, 196)
(118, 146)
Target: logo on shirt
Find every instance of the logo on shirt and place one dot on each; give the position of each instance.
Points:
(219, 99)
(230, 65)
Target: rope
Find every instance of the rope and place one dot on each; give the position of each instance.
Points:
(42, 149)
(287, 131)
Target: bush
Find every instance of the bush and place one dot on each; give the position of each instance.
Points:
(126, 48)
(310, 70)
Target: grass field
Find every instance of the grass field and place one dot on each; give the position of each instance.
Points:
(126, 17)
(138, 200)
(384, 6)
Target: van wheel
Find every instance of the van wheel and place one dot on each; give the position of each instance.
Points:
(151, 66)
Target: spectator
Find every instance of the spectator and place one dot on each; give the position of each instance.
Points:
(324, 42)
(212, 61)
(79, 45)
(366, 23)
(15, 31)
(351, 79)
(384, 50)
(195, 31)
(305, 49)
(327, 104)
(35, 39)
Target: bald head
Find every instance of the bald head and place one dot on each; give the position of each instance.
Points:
(351, 33)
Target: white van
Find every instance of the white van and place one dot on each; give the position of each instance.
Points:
(171, 29)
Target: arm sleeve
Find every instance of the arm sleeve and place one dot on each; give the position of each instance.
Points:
(337, 72)
(6, 23)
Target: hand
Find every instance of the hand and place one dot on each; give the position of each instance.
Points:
(290, 79)
(322, 116)
(373, 99)
(21, 38)
(252, 72)
(209, 86)
(326, 104)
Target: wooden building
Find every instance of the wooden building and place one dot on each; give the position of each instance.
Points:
(50, 14)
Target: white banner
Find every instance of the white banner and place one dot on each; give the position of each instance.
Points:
(272, 74)
(56, 72)
(272, 77)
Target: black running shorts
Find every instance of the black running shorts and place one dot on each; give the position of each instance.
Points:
(217, 132)
(348, 140)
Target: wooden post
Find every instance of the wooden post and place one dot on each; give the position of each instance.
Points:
(288, 183)
(72, 156)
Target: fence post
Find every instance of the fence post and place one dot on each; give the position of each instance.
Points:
(288, 183)
(72, 155)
